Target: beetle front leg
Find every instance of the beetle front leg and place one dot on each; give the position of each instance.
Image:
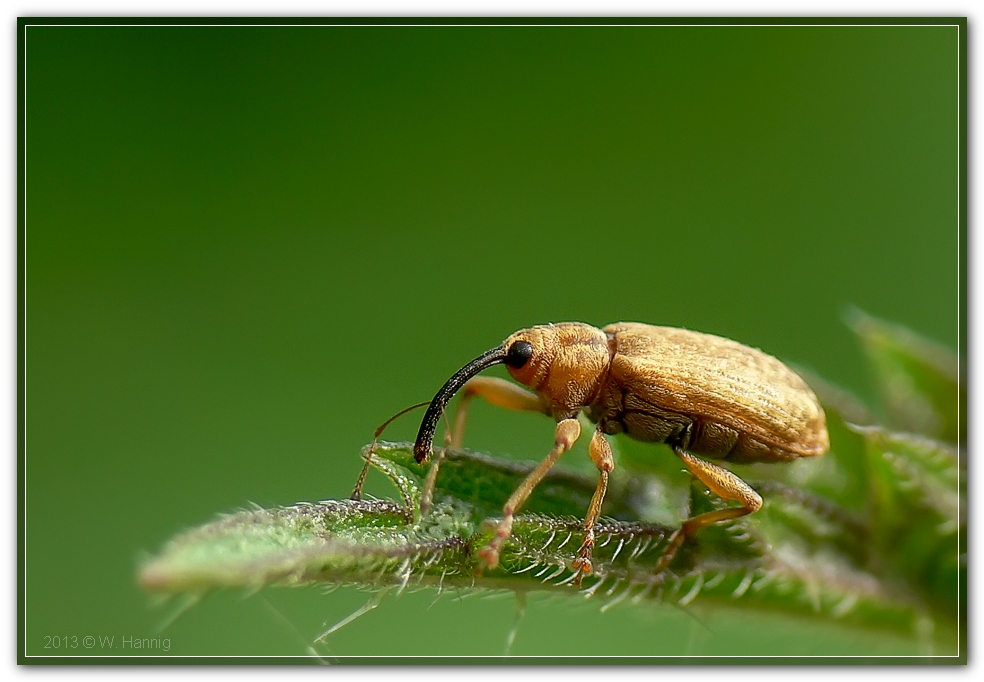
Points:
(724, 484)
(601, 455)
(497, 392)
(567, 432)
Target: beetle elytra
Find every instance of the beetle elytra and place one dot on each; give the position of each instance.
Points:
(700, 394)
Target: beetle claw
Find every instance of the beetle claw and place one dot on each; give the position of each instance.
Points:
(583, 567)
(672, 545)
(582, 564)
(488, 557)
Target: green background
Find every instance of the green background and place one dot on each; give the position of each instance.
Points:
(246, 247)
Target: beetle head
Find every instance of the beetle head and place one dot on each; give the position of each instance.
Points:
(563, 363)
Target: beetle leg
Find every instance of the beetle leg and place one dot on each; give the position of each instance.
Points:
(724, 484)
(566, 434)
(601, 455)
(430, 482)
(498, 392)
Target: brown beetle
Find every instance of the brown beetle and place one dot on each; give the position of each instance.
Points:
(700, 394)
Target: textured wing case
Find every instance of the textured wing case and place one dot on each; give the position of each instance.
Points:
(707, 376)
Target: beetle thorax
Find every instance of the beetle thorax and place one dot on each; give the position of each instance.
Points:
(568, 367)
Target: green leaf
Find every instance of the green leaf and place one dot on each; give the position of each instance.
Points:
(921, 383)
(800, 554)
(918, 492)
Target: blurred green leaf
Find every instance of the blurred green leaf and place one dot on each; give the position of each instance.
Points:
(921, 383)
(918, 525)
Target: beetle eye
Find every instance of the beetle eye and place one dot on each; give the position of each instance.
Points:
(519, 354)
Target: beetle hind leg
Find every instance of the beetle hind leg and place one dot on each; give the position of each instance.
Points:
(722, 483)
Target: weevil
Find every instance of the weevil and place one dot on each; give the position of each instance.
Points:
(698, 393)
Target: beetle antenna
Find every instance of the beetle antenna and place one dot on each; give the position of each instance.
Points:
(357, 492)
(425, 437)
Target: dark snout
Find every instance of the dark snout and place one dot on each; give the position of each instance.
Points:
(425, 436)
